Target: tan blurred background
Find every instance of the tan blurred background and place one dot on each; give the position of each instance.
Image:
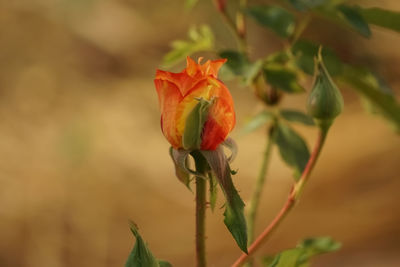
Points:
(81, 151)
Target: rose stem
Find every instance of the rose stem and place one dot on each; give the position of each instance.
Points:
(255, 198)
(293, 197)
(201, 167)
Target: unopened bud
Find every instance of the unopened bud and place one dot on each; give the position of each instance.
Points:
(325, 101)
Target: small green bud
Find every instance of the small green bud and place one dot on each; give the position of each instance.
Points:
(325, 101)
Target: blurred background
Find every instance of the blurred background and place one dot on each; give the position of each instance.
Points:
(81, 151)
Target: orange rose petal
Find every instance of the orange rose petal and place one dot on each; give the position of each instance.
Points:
(221, 118)
(169, 97)
(212, 67)
(177, 95)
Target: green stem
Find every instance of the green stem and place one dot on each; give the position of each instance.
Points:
(294, 195)
(238, 32)
(255, 199)
(201, 167)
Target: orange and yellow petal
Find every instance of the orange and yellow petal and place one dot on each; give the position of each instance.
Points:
(221, 119)
(169, 98)
(201, 90)
(211, 67)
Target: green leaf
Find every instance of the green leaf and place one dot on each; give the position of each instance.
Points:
(234, 207)
(288, 258)
(316, 246)
(237, 62)
(278, 19)
(364, 83)
(195, 121)
(200, 39)
(239, 65)
(303, 253)
(306, 51)
(257, 121)
(354, 18)
(293, 149)
(282, 78)
(381, 17)
(303, 5)
(252, 71)
(296, 116)
(140, 256)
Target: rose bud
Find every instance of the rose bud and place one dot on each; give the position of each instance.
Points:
(325, 101)
(196, 108)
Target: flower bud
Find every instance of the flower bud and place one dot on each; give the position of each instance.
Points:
(325, 101)
(196, 108)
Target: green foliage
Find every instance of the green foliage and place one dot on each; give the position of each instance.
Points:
(237, 62)
(381, 17)
(292, 147)
(305, 52)
(200, 39)
(296, 116)
(194, 125)
(369, 87)
(239, 65)
(355, 19)
(303, 253)
(234, 206)
(325, 101)
(278, 19)
(257, 121)
(141, 256)
(282, 78)
(303, 5)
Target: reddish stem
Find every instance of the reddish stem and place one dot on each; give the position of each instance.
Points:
(293, 197)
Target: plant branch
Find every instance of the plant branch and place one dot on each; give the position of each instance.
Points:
(237, 28)
(292, 199)
(255, 199)
(201, 167)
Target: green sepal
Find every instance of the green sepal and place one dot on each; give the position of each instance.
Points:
(292, 148)
(234, 207)
(230, 144)
(213, 191)
(180, 168)
(325, 101)
(140, 255)
(191, 138)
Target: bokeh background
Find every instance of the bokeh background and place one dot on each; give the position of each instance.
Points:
(81, 151)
